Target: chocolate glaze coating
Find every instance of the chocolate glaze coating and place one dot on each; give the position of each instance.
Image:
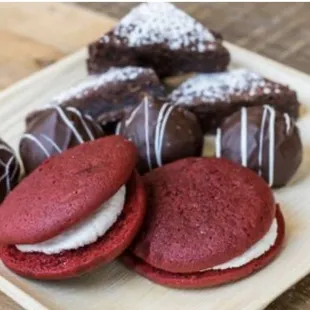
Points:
(162, 133)
(52, 131)
(263, 139)
(9, 169)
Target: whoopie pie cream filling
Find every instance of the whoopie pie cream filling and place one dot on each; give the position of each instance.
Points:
(85, 232)
(256, 250)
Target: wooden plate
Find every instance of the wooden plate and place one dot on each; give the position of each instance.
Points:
(114, 287)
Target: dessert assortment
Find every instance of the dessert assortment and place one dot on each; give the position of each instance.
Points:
(114, 164)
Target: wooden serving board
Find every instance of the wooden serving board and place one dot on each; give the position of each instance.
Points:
(113, 286)
(34, 35)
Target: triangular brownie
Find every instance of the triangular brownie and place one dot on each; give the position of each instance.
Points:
(161, 36)
(212, 97)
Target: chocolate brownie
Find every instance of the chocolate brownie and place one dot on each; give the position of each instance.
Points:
(107, 97)
(212, 97)
(160, 36)
(264, 140)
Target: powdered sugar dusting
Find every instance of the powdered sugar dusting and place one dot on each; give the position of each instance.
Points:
(222, 86)
(162, 23)
(94, 82)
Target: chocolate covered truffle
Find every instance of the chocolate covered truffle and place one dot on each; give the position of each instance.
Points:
(212, 97)
(264, 140)
(162, 133)
(9, 169)
(162, 37)
(107, 97)
(53, 131)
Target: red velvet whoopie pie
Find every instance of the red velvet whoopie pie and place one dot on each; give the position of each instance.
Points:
(77, 210)
(209, 221)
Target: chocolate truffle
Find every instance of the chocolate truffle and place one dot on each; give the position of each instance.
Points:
(212, 97)
(264, 140)
(53, 131)
(162, 37)
(109, 96)
(162, 133)
(9, 169)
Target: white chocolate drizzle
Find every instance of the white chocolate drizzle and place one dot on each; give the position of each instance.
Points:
(287, 122)
(146, 126)
(161, 123)
(47, 138)
(69, 123)
(244, 137)
(6, 174)
(164, 114)
(269, 114)
(64, 117)
(272, 115)
(218, 150)
(261, 141)
(118, 128)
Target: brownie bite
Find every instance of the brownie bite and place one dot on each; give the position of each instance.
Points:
(213, 97)
(107, 97)
(160, 36)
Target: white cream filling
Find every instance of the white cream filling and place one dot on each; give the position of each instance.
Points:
(255, 251)
(85, 232)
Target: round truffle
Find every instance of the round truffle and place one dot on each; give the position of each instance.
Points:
(162, 133)
(264, 140)
(9, 169)
(202, 214)
(52, 131)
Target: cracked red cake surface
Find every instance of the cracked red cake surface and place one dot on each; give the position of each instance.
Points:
(203, 212)
(211, 277)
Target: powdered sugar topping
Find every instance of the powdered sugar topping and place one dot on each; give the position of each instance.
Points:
(216, 87)
(162, 23)
(94, 82)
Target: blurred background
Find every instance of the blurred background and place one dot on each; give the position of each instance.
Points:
(34, 35)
